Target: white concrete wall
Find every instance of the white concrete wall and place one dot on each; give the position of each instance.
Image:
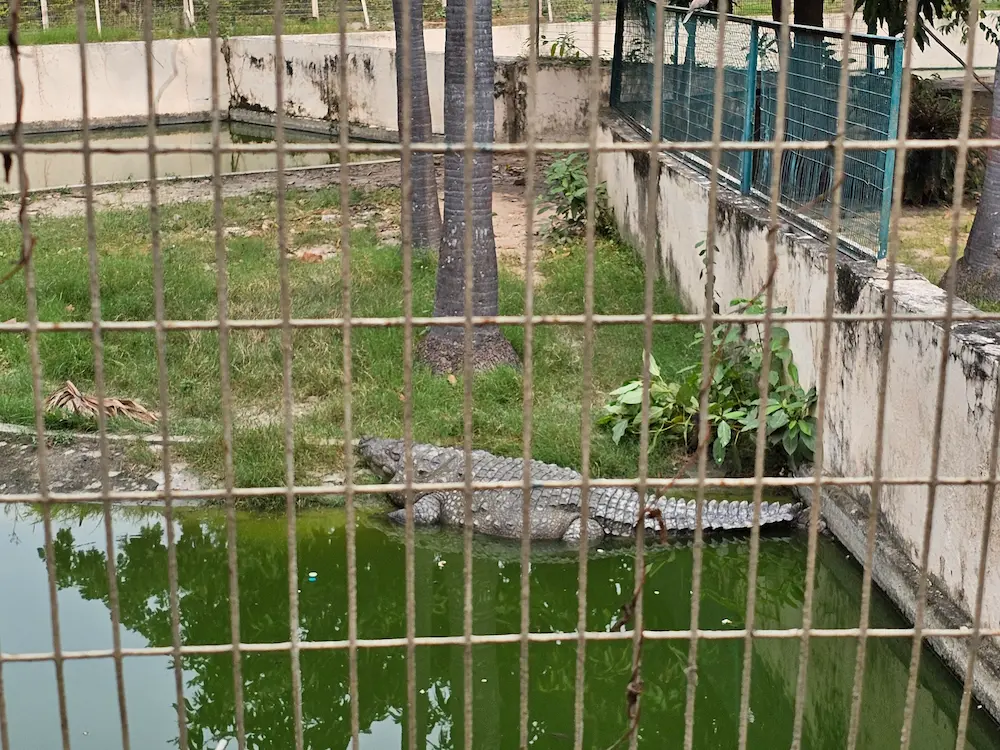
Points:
(311, 87)
(800, 284)
(117, 79)
(116, 82)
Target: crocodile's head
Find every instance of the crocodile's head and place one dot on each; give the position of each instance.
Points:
(384, 456)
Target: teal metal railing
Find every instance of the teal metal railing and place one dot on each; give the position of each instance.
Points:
(749, 103)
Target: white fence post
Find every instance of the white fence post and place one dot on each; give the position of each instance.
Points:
(97, 16)
(45, 14)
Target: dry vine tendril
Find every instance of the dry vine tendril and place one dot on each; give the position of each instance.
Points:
(28, 239)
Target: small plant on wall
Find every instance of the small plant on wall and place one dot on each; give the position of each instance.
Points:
(565, 198)
(734, 407)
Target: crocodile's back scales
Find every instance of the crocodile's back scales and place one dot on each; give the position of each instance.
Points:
(555, 512)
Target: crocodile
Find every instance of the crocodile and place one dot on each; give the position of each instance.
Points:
(554, 511)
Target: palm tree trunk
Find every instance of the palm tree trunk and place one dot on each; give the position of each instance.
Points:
(978, 270)
(425, 212)
(443, 348)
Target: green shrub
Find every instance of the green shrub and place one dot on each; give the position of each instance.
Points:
(565, 196)
(930, 173)
(733, 399)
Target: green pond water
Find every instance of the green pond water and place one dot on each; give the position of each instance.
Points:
(65, 168)
(141, 555)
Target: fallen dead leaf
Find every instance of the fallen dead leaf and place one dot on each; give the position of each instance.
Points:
(72, 400)
(452, 379)
(315, 254)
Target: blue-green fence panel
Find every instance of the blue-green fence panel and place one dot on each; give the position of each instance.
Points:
(749, 106)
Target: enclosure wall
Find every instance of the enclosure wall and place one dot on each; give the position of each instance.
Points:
(850, 422)
(117, 84)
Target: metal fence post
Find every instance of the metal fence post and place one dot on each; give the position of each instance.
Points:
(890, 155)
(616, 59)
(749, 112)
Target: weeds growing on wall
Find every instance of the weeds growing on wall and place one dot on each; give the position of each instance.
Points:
(734, 407)
(565, 198)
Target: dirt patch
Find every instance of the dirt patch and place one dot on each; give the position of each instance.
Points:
(508, 174)
(74, 465)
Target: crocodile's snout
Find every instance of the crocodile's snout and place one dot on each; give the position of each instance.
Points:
(380, 454)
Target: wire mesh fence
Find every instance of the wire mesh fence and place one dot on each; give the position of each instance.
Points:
(202, 306)
(564, 24)
(749, 102)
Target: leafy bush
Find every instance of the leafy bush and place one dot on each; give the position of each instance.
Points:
(733, 398)
(565, 195)
(930, 173)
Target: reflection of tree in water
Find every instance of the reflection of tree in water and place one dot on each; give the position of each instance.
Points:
(204, 617)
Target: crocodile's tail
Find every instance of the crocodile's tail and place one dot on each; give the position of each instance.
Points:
(723, 514)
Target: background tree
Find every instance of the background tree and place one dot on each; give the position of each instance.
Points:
(443, 347)
(425, 212)
(977, 272)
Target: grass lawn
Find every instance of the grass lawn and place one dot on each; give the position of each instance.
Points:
(925, 236)
(187, 236)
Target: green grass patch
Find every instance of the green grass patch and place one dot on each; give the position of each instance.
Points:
(193, 374)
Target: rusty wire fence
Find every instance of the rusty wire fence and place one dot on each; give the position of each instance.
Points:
(36, 328)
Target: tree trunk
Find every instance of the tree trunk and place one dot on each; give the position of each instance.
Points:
(425, 212)
(978, 270)
(443, 348)
(808, 12)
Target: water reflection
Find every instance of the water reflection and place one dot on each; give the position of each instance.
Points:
(267, 677)
(65, 168)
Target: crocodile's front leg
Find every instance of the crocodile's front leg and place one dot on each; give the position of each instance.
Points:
(426, 511)
(595, 532)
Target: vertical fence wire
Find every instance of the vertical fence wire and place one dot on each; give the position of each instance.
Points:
(405, 106)
(163, 388)
(99, 379)
(650, 269)
(975, 639)
(31, 310)
(528, 371)
(932, 488)
(836, 196)
(225, 382)
(287, 393)
(706, 375)
(883, 387)
(472, 20)
(348, 419)
(586, 380)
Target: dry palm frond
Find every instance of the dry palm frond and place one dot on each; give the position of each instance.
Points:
(72, 400)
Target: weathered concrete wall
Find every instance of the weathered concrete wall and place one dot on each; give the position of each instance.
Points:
(849, 436)
(311, 81)
(116, 82)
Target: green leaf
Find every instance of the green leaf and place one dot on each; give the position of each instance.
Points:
(618, 430)
(790, 442)
(725, 433)
(776, 420)
(806, 426)
(633, 396)
(718, 451)
(654, 369)
(809, 441)
(627, 387)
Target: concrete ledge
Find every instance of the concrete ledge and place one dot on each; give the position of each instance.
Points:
(680, 215)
